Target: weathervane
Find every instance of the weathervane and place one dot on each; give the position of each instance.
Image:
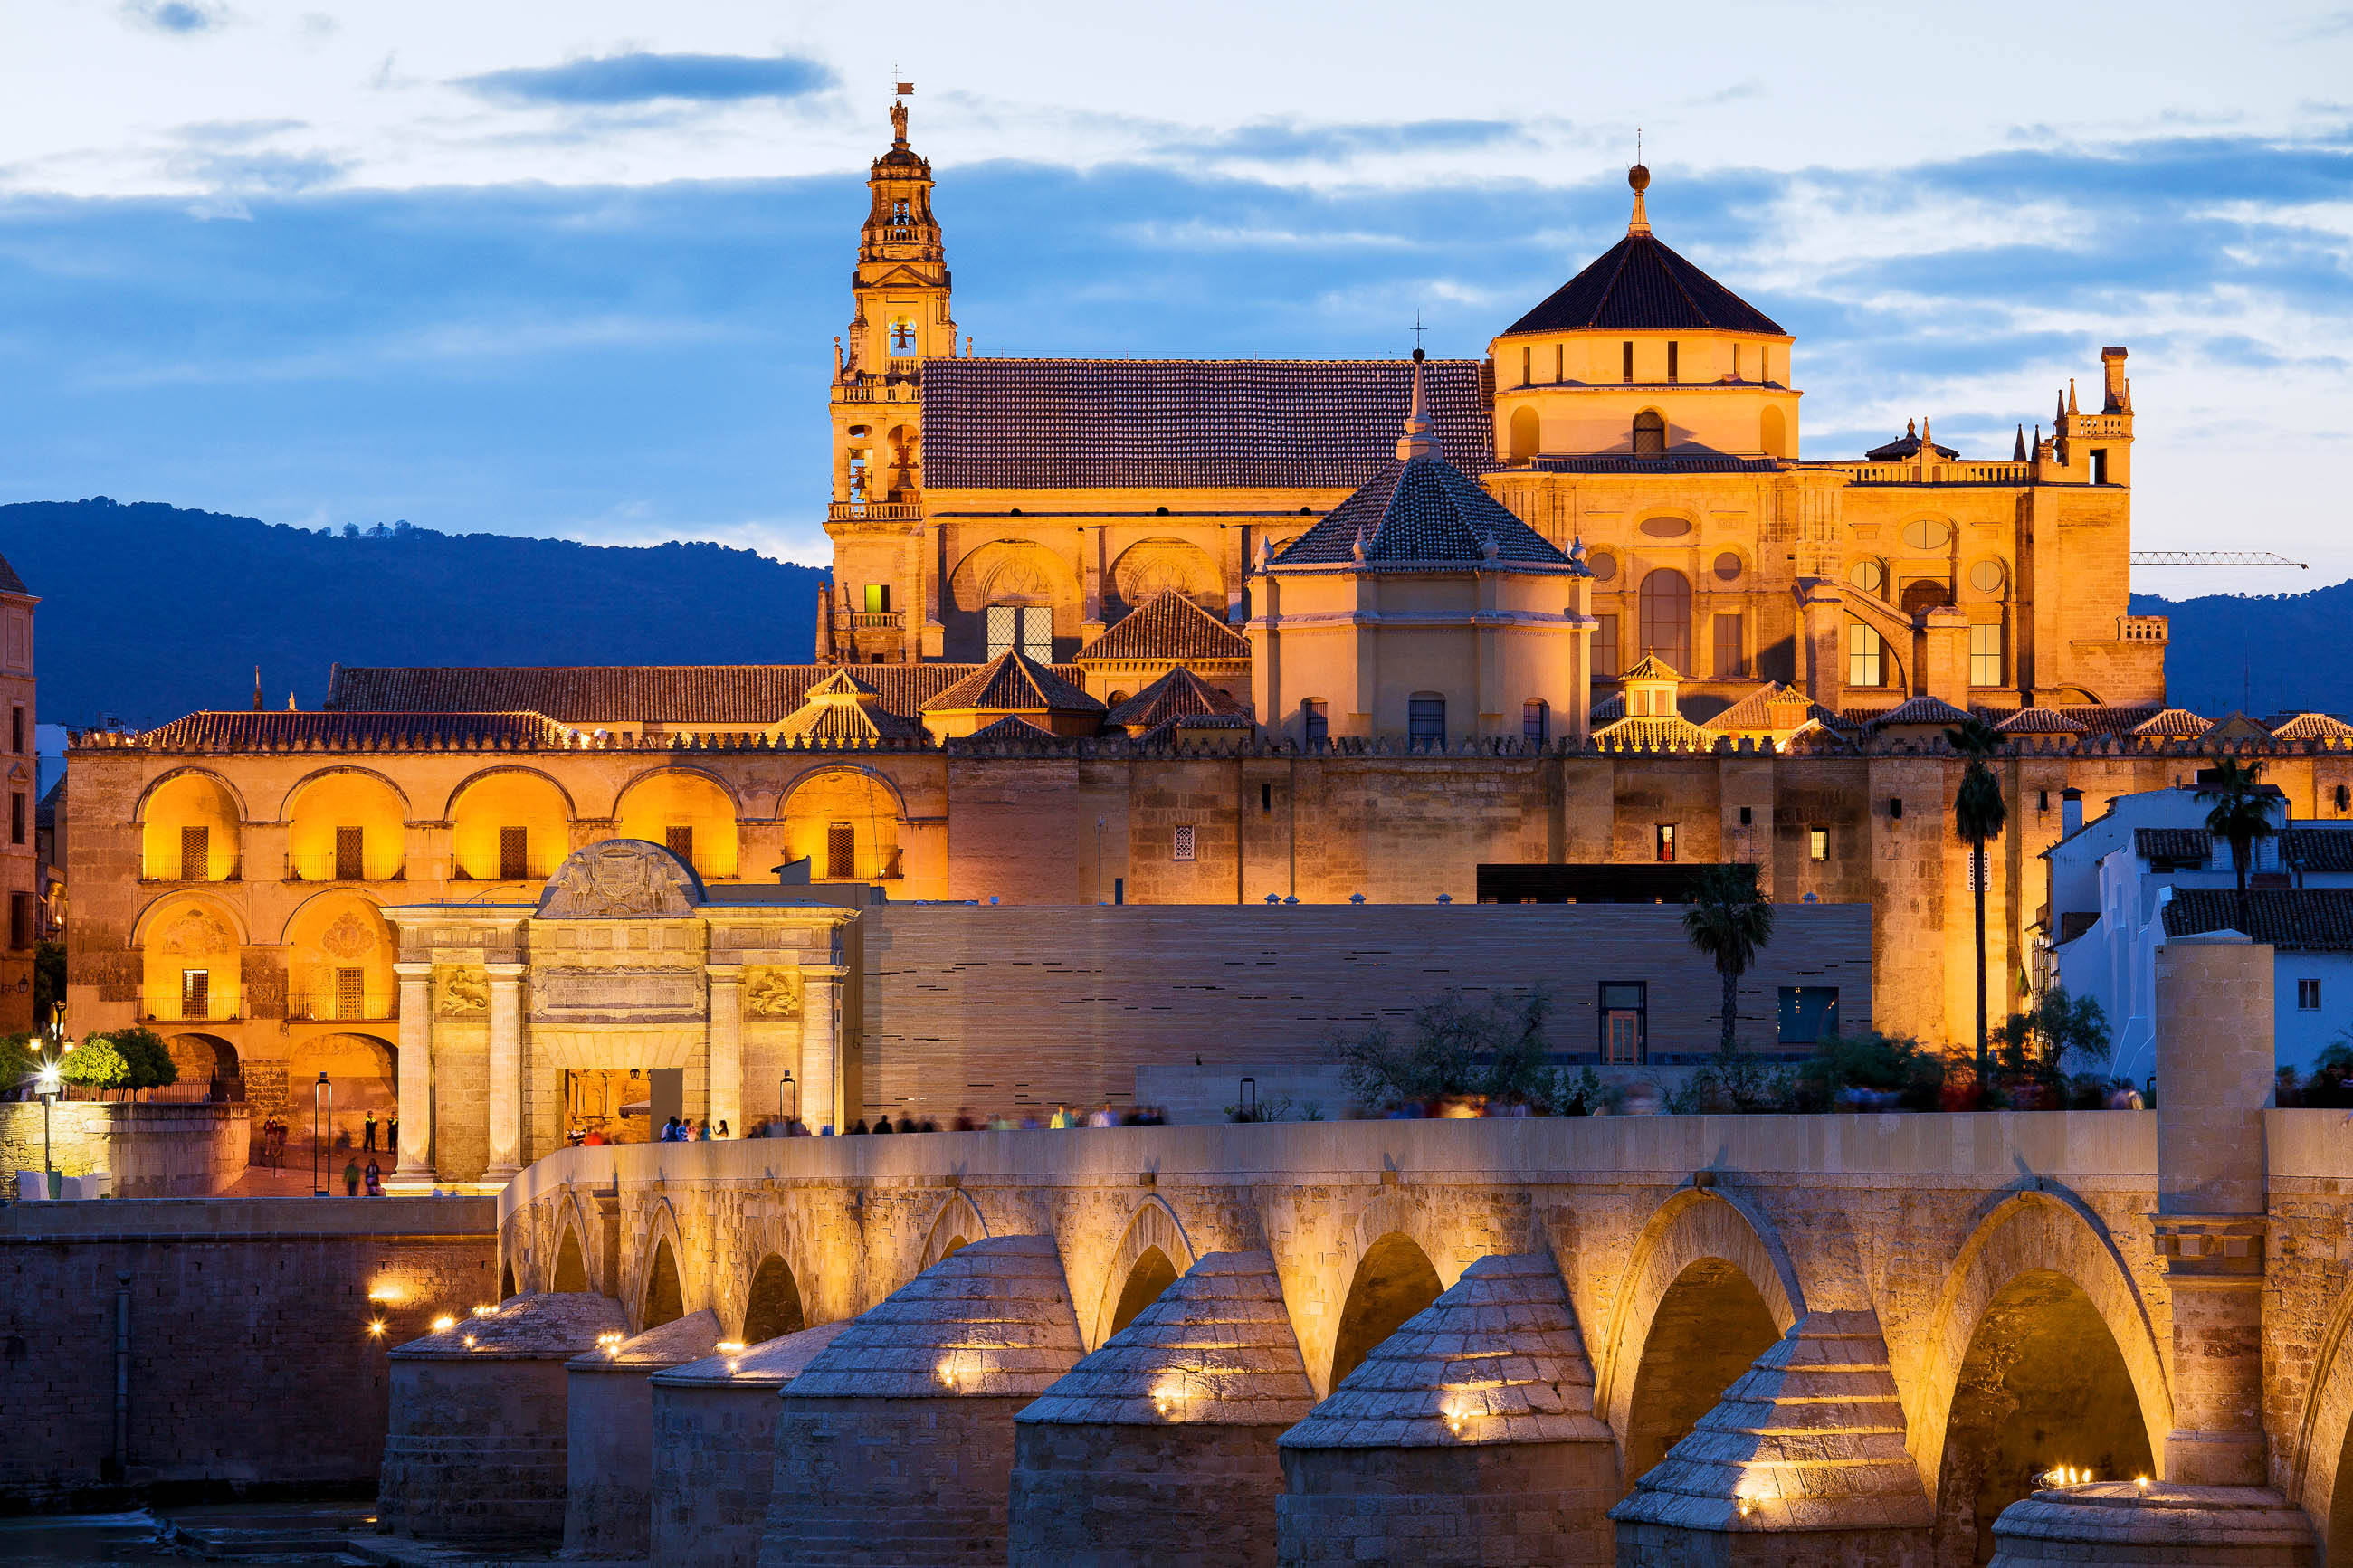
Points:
(1418, 330)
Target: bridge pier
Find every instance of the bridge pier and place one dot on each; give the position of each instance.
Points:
(895, 1445)
(1465, 1437)
(609, 1436)
(477, 1445)
(715, 1426)
(1160, 1447)
(2214, 1067)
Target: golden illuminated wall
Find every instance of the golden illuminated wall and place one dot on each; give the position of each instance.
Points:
(843, 799)
(656, 807)
(324, 806)
(188, 800)
(331, 935)
(190, 932)
(489, 806)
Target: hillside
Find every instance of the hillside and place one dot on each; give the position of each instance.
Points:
(2261, 653)
(149, 611)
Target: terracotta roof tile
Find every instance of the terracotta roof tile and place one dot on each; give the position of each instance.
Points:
(1014, 682)
(10, 581)
(841, 709)
(2172, 724)
(1421, 510)
(1752, 711)
(1651, 666)
(1179, 694)
(1656, 734)
(2110, 718)
(2305, 919)
(2179, 845)
(1291, 424)
(2314, 727)
(2319, 848)
(1922, 710)
(1640, 285)
(279, 731)
(1167, 626)
(1012, 727)
(2041, 722)
(585, 696)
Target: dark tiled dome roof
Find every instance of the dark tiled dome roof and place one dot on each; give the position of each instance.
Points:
(1422, 510)
(1640, 285)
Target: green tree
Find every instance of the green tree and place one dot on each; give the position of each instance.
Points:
(1729, 920)
(20, 1059)
(1454, 1049)
(95, 1064)
(49, 981)
(2037, 1043)
(1978, 813)
(2241, 815)
(148, 1058)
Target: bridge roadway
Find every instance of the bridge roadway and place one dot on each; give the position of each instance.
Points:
(2009, 1259)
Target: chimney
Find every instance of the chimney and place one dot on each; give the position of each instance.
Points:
(2117, 399)
(2070, 812)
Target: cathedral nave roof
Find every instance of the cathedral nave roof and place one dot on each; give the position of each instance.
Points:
(585, 696)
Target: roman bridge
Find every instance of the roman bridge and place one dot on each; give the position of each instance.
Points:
(1892, 1327)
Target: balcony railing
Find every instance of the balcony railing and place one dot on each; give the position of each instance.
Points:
(235, 873)
(875, 620)
(305, 1009)
(874, 511)
(2143, 629)
(294, 874)
(215, 1012)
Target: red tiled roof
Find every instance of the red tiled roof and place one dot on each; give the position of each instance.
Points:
(1012, 727)
(1167, 626)
(842, 708)
(2172, 724)
(2041, 722)
(1751, 712)
(589, 695)
(1179, 694)
(1421, 510)
(2314, 727)
(1072, 424)
(1014, 682)
(2310, 919)
(279, 731)
(1922, 710)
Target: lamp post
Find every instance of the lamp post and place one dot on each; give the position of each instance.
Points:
(783, 1116)
(323, 1120)
(49, 1082)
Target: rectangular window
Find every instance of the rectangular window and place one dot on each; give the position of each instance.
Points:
(1674, 359)
(1817, 844)
(1731, 655)
(1985, 654)
(1004, 627)
(17, 818)
(1536, 721)
(351, 993)
(1184, 842)
(196, 854)
(1625, 1009)
(1425, 720)
(1735, 362)
(1627, 371)
(1037, 634)
(1527, 365)
(351, 861)
(196, 994)
(20, 920)
(1809, 1014)
(2099, 464)
(878, 598)
(840, 851)
(1662, 842)
(680, 841)
(2307, 996)
(1865, 656)
(1560, 361)
(1314, 721)
(16, 729)
(1605, 649)
(1266, 800)
(515, 854)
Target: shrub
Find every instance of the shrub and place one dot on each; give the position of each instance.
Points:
(1731, 1086)
(1845, 1068)
(147, 1057)
(95, 1064)
(1455, 1051)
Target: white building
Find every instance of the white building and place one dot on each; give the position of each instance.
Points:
(2148, 870)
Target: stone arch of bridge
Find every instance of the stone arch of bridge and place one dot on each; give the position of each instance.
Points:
(1388, 1218)
(2320, 1465)
(1694, 1239)
(649, 1291)
(1154, 1248)
(2027, 1237)
(772, 1302)
(959, 1224)
(781, 1236)
(571, 1274)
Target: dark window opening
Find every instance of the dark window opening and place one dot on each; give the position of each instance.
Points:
(1747, 816)
(17, 730)
(2099, 464)
(1675, 360)
(17, 818)
(350, 864)
(680, 841)
(1536, 721)
(840, 851)
(196, 854)
(1425, 720)
(1663, 840)
(1896, 808)
(1265, 797)
(1809, 1014)
(1314, 721)
(1627, 374)
(515, 854)
(20, 920)
(1649, 433)
(196, 994)
(2307, 996)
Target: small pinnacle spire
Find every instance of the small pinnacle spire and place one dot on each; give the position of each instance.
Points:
(2018, 452)
(290, 704)
(1640, 178)
(1928, 441)
(1419, 440)
(257, 689)
(2059, 412)
(1911, 429)
(1576, 555)
(2070, 395)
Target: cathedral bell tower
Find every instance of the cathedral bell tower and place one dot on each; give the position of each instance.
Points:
(872, 611)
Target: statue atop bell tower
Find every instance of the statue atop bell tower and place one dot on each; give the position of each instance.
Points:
(900, 299)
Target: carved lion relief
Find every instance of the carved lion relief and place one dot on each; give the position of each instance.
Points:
(197, 934)
(465, 992)
(772, 993)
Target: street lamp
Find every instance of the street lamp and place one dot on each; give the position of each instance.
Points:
(323, 1120)
(49, 1082)
(783, 1116)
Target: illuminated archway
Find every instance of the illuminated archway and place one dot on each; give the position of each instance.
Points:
(189, 831)
(204, 1058)
(1146, 1280)
(192, 963)
(339, 959)
(686, 812)
(1153, 1228)
(346, 825)
(957, 1227)
(845, 821)
(1393, 1282)
(1711, 1322)
(511, 825)
(665, 1300)
(773, 1305)
(571, 1269)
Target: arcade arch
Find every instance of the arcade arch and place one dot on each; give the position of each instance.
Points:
(363, 1071)
(1394, 1280)
(571, 1267)
(688, 812)
(1151, 567)
(204, 1058)
(339, 960)
(665, 1297)
(191, 956)
(845, 821)
(959, 1225)
(188, 831)
(347, 825)
(1151, 1254)
(511, 825)
(1709, 1325)
(773, 1305)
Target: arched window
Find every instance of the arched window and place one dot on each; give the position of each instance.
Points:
(1772, 433)
(1866, 655)
(1925, 593)
(1527, 435)
(1314, 720)
(1666, 612)
(1536, 721)
(1425, 718)
(1649, 433)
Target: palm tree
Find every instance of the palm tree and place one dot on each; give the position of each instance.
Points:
(1729, 920)
(1978, 813)
(2241, 815)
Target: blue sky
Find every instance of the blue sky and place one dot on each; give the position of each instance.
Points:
(576, 271)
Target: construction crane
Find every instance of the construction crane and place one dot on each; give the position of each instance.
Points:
(2213, 558)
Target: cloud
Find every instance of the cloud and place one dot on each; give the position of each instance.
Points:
(1293, 140)
(610, 81)
(175, 16)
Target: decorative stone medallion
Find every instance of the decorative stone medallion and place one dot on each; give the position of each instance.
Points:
(621, 876)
